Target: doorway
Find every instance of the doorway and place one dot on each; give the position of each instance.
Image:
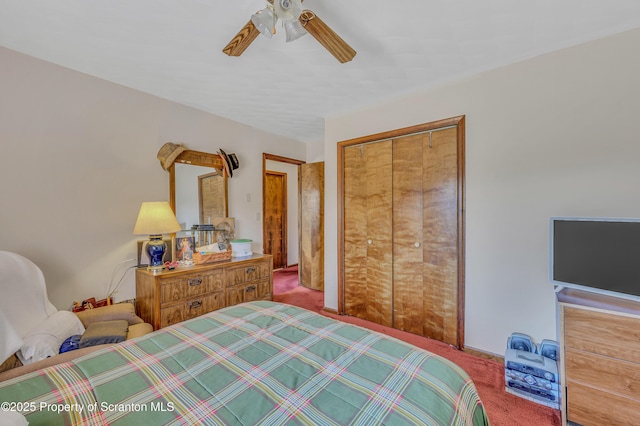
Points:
(280, 218)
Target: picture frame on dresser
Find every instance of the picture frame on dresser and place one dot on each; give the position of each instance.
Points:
(184, 244)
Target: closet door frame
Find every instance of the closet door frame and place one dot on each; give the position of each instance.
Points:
(459, 123)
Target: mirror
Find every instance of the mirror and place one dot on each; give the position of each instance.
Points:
(198, 188)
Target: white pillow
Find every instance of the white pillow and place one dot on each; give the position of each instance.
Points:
(10, 341)
(45, 340)
(12, 418)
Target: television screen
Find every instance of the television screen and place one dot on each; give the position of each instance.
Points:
(601, 254)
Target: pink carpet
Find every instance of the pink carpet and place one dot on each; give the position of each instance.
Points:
(503, 408)
(285, 279)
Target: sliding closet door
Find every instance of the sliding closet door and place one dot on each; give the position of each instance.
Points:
(408, 233)
(402, 229)
(441, 249)
(368, 232)
(425, 240)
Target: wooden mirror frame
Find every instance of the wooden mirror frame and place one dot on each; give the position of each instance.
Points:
(203, 159)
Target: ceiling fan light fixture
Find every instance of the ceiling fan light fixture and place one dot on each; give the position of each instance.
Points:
(294, 30)
(297, 22)
(287, 10)
(264, 20)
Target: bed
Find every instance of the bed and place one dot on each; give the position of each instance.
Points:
(255, 363)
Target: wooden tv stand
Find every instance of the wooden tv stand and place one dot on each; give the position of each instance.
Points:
(599, 358)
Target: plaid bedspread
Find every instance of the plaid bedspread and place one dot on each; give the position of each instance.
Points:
(256, 363)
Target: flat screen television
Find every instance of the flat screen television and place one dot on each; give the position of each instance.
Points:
(596, 254)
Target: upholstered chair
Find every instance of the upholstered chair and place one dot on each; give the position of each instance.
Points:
(32, 329)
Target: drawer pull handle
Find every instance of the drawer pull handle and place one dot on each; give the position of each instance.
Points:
(195, 305)
(195, 281)
(250, 269)
(250, 288)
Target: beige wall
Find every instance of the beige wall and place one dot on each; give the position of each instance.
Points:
(78, 158)
(556, 135)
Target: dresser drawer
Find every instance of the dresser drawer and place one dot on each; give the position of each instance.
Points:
(607, 374)
(168, 297)
(191, 308)
(592, 407)
(244, 274)
(616, 336)
(260, 290)
(192, 285)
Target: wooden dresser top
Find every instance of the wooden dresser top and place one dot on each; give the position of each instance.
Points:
(598, 301)
(195, 268)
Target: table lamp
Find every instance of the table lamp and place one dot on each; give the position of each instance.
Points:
(154, 219)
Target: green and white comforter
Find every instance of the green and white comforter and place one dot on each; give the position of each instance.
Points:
(256, 363)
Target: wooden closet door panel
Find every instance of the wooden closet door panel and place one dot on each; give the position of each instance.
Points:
(408, 233)
(368, 232)
(355, 230)
(379, 232)
(440, 184)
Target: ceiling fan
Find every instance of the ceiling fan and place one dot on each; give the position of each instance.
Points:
(296, 22)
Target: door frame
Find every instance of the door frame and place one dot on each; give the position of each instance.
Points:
(279, 158)
(458, 122)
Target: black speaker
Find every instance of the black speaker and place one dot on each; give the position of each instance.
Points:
(550, 349)
(521, 342)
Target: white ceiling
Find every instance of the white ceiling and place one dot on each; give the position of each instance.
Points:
(173, 49)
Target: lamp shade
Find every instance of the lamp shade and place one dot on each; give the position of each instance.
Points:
(154, 218)
(264, 21)
(294, 30)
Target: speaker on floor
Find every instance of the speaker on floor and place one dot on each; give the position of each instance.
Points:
(521, 342)
(549, 349)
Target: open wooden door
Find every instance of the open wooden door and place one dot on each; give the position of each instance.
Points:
(311, 258)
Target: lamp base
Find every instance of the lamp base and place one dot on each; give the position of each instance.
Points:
(155, 249)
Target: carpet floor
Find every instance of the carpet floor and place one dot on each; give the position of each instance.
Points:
(502, 408)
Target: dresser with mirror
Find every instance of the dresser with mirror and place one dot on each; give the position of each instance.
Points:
(198, 194)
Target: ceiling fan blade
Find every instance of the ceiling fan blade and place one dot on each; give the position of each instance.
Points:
(242, 40)
(326, 36)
